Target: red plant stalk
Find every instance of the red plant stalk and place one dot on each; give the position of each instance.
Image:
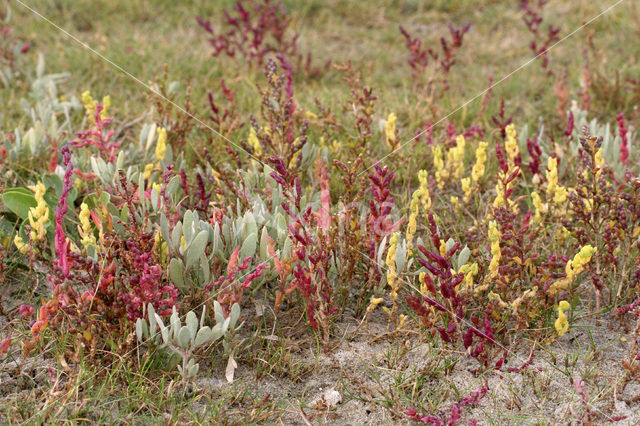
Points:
(624, 148)
(99, 137)
(61, 243)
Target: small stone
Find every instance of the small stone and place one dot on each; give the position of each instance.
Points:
(327, 400)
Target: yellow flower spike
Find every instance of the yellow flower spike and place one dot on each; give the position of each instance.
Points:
(515, 305)
(403, 319)
(554, 191)
(599, 160)
(467, 188)
(494, 237)
(511, 144)
(373, 303)
(85, 230)
(469, 270)
(425, 197)
(74, 248)
(391, 266)
(552, 175)
(477, 172)
(495, 297)
(161, 144)
(414, 210)
(443, 248)
(156, 240)
(390, 130)
(147, 171)
(560, 195)
(457, 156)
(538, 205)
(20, 245)
(106, 104)
(573, 268)
(562, 324)
(253, 141)
(438, 163)
(38, 215)
(455, 201)
(89, 104)
(582, 258)
(294, 158)
(423, 283)
(499, 200)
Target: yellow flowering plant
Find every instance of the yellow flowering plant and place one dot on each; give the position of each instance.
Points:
(562, 324)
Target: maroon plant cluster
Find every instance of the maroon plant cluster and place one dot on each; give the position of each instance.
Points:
(608, 210)
(501, 120)
(95, 298)
(225, 118)
(624, 147)
(542, 41)
(430, 67)
(535, 153)
(518, 246)
(455, 413)
(381, 204)
(99, 137)
(420, 57)
(253, 29)
(310, 232)
(281, 135)
(449, 305)
(361, 103)
(230, 287)
(10, 48)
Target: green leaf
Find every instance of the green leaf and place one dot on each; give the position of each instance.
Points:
(401, 256)
(463, 257)
(192, 324)
(196, 249)
(187, 225)
(216, 332)
(163, 329)
(193, 370)
(19, 201)
(139, 329)
(184, 337)
(172, 186)
(154, 199)
(234, 315)
(175, 236)
(53, 181)
(151, 313)
(264, 244)
(205, 271)
(217, 310)
(175, 323)
(164, 228)
(204, 336)
(249, 246)
(250, 224)
(450, 243)
(176, 272)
